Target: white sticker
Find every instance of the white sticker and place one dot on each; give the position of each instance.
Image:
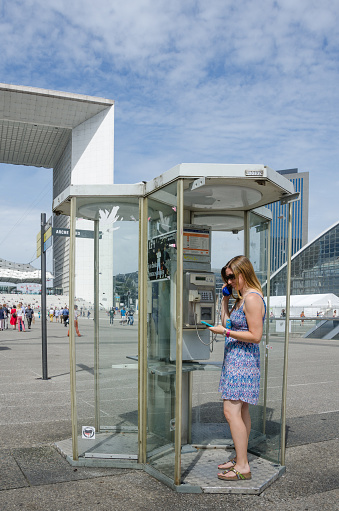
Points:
(88, 432)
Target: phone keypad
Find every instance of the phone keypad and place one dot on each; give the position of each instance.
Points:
(206, 296)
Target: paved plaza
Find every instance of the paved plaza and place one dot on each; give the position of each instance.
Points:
(35, 414)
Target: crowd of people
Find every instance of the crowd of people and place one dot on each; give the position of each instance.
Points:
(15, 317)
(126, 317)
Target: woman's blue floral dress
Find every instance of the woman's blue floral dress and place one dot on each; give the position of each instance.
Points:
(240, 374)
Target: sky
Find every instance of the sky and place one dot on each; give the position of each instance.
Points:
(221, 81)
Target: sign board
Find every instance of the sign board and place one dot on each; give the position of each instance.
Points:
(47, 236)
(159, 256)
(79, 233)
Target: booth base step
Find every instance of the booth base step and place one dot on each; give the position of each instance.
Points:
(199, 466)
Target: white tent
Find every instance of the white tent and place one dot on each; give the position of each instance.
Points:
(310, 304)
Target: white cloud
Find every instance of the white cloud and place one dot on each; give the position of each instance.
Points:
(222, 81)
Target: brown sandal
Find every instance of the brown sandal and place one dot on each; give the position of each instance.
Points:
(238, 475)
(221, 466)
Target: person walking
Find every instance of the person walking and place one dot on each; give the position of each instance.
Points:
(123, 319)
(6, 314)
(29, 316)
(2, 318)
(65, 315)
(240, 376)
(13, 320)
(76, 315)
(21, 315)
(111, 316)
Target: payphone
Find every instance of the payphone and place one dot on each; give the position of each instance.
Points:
(198, 298)
(198, 295)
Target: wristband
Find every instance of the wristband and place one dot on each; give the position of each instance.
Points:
(226, 333)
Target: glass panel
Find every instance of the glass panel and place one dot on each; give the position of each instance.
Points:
(110, 401)
(161, 334)
(266, 416)
(84, 302)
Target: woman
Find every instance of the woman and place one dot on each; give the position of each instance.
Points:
(13, 319)
(240, 376)
(20, 318)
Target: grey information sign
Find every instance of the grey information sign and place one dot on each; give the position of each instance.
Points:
(79, 233)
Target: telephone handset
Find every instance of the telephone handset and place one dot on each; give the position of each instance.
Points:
(227, 290)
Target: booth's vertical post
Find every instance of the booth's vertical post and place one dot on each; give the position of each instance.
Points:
(43, 300)
(142, 332)
(179, 312)
(287, 329)
(96, 325)
(267, 341)
(247, 233)
(72, 329)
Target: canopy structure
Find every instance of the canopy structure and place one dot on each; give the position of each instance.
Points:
(17, 273)
(36, 124)
(320, 302)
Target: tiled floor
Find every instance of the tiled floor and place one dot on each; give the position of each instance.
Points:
(199, 466)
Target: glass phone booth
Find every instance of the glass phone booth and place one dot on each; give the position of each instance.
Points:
(148, 391)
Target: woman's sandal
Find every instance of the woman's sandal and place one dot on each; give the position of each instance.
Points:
(238, 476)
(221, 467)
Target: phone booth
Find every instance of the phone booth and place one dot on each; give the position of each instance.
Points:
(146, 397)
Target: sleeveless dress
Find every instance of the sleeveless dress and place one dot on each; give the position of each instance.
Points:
(240, 374)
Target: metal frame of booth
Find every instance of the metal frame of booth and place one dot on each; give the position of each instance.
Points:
(258, 185)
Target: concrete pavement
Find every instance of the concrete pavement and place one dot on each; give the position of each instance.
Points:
(36, 413)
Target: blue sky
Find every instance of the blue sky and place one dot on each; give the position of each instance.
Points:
(225, 81)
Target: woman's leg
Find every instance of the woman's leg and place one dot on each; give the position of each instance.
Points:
(245, 413)
(239, 430)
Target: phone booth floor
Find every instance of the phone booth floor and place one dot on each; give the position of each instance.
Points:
(199, 464)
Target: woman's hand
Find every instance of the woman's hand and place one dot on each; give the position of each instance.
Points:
(219, 329)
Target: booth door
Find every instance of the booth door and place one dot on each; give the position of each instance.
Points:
(161, 372)
(107, 351)
(266, 416)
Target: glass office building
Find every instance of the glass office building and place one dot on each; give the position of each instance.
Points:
(315, 268)
(279, 223)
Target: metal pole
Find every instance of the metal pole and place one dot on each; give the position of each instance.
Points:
(43, 300)
(142, 332)
(267, 340)
(96, 326)
(247, 233)
(72, 329)
(179, 307)
(287, 324)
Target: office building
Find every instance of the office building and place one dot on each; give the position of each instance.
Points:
(279, 223)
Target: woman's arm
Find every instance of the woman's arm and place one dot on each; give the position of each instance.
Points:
(224, 310)
(254, 311)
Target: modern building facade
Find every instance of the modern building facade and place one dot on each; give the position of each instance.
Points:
(72, 134)
(279, 223)
(315, 268)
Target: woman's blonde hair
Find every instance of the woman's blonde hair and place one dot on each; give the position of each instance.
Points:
(242, 265)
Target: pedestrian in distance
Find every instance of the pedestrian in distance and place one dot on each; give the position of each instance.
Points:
(111, 316)
(21, 315)
(123, 319)
(6, 314)
(240, 376)
(2, 318)
(29, 316)
(76, 315)
(65, 315)
(13, 320)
